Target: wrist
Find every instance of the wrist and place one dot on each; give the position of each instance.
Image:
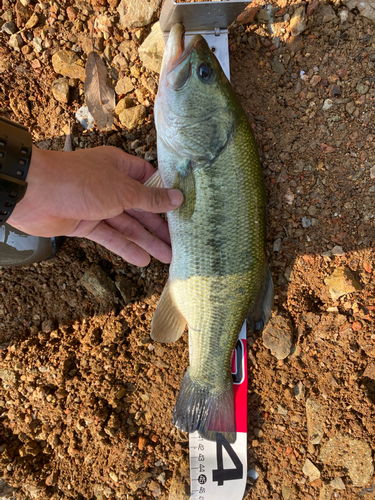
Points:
(15, 158)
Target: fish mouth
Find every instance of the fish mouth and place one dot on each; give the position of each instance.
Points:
(177, 66)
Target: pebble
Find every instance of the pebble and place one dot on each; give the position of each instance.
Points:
(337, 250)
(132, 117)
(71, 12)
(124, 103)
(252, 473)
(352, 454)
(277, 66)
(37, 43)
(315, 80)
(370, 371)
(328, 103)
(306, 222)
(310, 470)
(288, 492)
(9, 28)
(372, 173)
(139, 14)
(315, 415)
(277, 336)
(152, 49)
(32, 22)
(60, 90)
(299, 391)
(99, 284)
(124, 86)
(298, 21)
(16, 42)
(138, 480)
(277, 245)
(341, 282)
(328, 13)
(337, 484)
(362, 89)
(67, 63)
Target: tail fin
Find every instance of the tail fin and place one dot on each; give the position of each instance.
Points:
(205, 409)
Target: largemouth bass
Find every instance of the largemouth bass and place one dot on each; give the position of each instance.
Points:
(219, 270)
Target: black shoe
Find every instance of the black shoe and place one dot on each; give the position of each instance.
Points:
(21, 249)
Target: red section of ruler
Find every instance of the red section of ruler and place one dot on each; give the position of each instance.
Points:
(239, 371)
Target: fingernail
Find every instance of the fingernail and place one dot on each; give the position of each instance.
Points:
(176, 197)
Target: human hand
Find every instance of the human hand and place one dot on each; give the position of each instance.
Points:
(98, 194)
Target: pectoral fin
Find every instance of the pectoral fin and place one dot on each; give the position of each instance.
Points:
(185, 182)
(155, 181)
(167, 323)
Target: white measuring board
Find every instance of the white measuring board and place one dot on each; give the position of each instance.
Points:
(218, 470)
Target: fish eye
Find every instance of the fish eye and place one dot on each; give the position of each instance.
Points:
(204, 72)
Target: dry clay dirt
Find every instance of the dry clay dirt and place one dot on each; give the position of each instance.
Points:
(86, 396)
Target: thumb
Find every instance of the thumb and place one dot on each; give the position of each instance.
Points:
(155, 200)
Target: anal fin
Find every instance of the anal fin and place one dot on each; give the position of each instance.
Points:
(167, 324)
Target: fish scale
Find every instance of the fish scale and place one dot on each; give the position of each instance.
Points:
(207, 149)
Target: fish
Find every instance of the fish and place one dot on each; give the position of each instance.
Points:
(219, 273)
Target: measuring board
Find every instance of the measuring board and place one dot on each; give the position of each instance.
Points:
(218, 469)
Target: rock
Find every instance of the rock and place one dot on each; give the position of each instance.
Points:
(67, 63)
(113, 476)
(277, 66)
(328, 13)
(150, 84)
(32, 22)
(132, 117)
(315, 80)
(352, 454)
(299, 391)
(362, 89)
(180, 485)
(9, 28)
(372, 173)
(325, 492)
(139, 480)
(369, 371)
(337, 250)
(137, 13)
(277, 336)
(288, 492)
(37, 42)
(365, 7)
(298, 21)
(248, 15)
(337, 484)
(310, 470)
(152, 49)
(350, 107)
(99, 284)
(315, 417)
(71, 12)
(16, 42)
(277, 245)
(124, 86)
(306, 222)
(60, 90)
(341, 282)
(124, 103)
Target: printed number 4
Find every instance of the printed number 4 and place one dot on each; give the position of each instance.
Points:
(220, 474)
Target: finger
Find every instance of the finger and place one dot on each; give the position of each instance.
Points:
(154, 223)
(116, 242)
(155, 200)
(135, 167)
(132, 230)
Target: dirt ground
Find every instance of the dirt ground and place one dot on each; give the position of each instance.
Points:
(86, 397)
